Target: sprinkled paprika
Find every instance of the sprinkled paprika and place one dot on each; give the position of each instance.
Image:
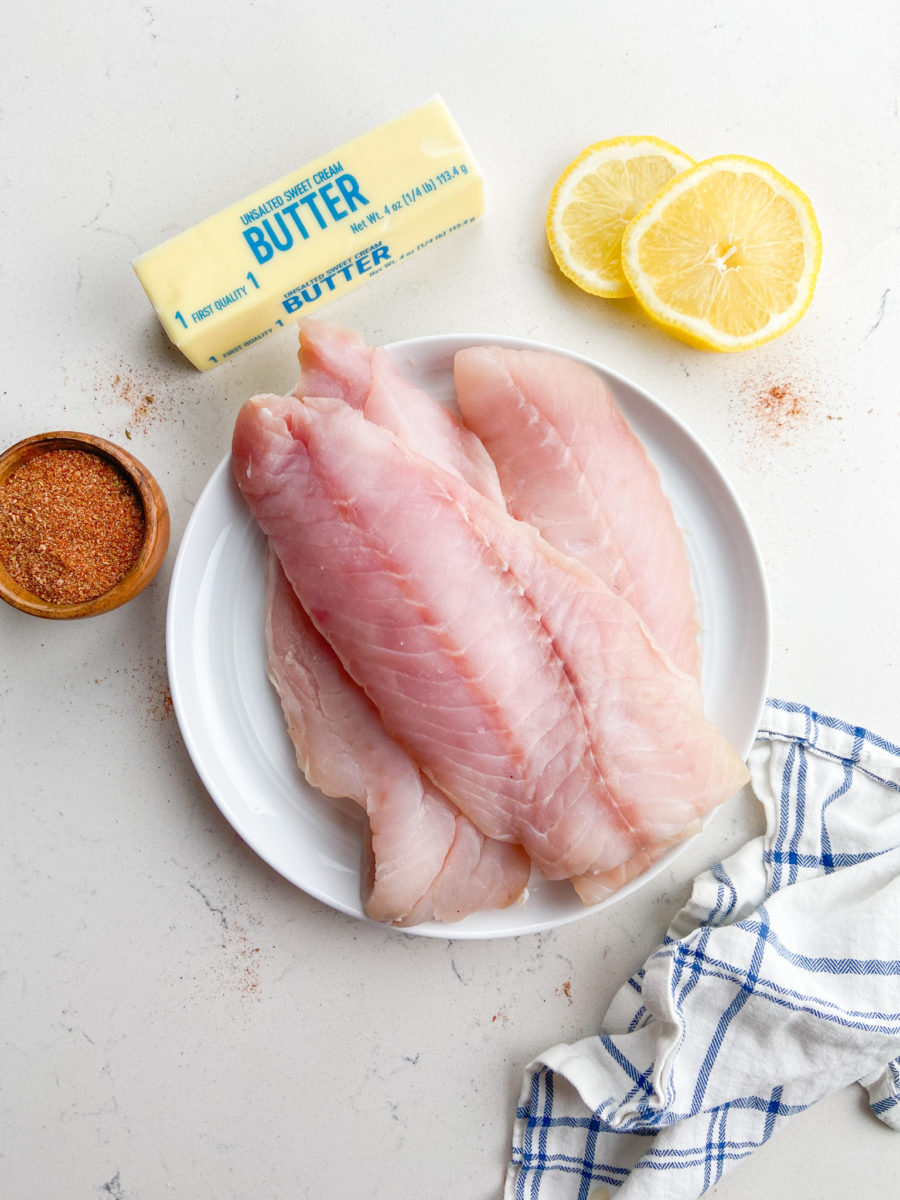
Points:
(71, 525)
(779, 404)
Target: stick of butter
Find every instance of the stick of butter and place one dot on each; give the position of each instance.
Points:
(285, 250)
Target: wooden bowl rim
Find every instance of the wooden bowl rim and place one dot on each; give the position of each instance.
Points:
(156, 524)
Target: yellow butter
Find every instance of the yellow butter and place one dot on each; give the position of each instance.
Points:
(289, 248)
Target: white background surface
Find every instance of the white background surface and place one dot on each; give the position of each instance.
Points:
(176, 1019)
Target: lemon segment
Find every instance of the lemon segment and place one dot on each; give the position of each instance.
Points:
(726, 256)
(593, 201)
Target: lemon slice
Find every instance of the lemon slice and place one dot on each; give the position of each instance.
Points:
(594, 199)
(726, 255)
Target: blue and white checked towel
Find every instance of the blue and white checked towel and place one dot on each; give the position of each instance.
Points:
(778, 983)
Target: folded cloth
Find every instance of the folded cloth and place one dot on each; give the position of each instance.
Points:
(778, 983)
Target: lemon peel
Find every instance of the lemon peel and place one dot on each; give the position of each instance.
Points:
(594, 199)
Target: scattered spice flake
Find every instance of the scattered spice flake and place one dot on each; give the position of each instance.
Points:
(772, 405)
(566, 990)
(780, 406)
(148, 403)
(160, 704)
(145, 685)
(239, 965)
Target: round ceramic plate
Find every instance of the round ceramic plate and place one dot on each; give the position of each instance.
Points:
(231, 719)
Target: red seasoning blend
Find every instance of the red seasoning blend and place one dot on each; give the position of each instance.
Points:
(71, 525)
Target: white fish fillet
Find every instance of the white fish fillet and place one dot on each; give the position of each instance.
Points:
(424, 860)
(571, 466)
(337, 362)
(523, 687)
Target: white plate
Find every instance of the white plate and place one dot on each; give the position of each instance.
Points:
(231, 719)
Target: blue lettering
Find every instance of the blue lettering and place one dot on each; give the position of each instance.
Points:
(292, 209)
(349, 189)
(310, 202)
(261, 249)
(332, 202)
(288, 236)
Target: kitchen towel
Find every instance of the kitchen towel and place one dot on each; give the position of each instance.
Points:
(777, 983)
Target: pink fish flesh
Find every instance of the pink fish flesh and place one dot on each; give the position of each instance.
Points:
(571, 466)
(334, 361)
(337, 362)
(424, 859)
(524, 688)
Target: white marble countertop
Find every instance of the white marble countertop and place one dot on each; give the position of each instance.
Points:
(177, 1019)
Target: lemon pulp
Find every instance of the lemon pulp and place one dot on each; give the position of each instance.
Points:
(725, 256)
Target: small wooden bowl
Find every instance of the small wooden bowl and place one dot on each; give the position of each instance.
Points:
(156, 526)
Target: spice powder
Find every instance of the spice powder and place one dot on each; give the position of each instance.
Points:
(71, 525)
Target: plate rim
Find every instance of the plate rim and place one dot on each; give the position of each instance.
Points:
(434, 344)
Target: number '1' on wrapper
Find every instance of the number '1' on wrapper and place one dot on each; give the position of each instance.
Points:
(290, 247)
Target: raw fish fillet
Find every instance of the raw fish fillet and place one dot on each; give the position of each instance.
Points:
(425, 861)
(335, 361)
(524, 688)
(571, 466)
(424, 425)
(592, 889)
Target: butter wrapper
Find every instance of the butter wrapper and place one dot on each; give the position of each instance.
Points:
(288, 248)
